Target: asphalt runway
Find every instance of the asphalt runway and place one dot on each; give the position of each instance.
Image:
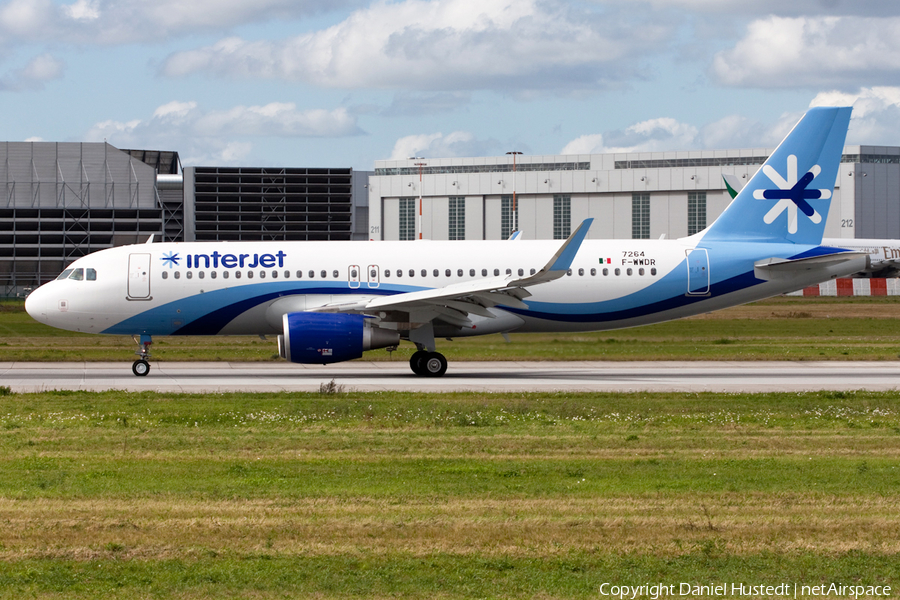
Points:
(461, 376)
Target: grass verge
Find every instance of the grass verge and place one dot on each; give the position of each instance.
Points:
(448, 495)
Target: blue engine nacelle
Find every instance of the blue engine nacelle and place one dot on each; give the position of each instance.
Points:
(322, 338)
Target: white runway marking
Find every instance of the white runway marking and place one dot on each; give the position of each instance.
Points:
(462, 376)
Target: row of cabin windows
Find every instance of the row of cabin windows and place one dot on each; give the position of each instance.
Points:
(79, 274)
(373, 275)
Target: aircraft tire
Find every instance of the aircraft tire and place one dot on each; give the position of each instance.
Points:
(434, 364)
(416, 362)
(140, 368)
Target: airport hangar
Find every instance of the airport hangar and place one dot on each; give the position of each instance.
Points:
(63, 200)
(636, 195)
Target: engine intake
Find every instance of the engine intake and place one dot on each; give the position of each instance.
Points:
(323, 338)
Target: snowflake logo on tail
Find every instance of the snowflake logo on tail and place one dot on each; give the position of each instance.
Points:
(791, 194)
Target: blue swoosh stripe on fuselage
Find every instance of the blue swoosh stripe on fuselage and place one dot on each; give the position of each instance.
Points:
(606, 312)
(208, 313)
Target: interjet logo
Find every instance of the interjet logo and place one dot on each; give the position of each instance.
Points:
(791, 194)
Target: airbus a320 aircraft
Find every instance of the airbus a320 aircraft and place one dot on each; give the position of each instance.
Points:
(330, 301)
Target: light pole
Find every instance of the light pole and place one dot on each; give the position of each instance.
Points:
(515, 212)
(419, 216)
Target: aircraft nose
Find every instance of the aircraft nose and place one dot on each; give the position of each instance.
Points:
(37, 304)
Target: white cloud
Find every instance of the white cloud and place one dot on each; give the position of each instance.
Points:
(129, 21)
(666, 134)
(446, 45)
(457, 143)
(38, 71)
(653, 135)
(206, 135)
(876, 113)
(780, 7)
(816, 52)
(591, 143)
(82, 10)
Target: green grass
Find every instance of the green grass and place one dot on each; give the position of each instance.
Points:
(361, 495)
(778, 329)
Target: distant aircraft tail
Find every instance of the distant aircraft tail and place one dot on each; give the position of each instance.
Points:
(788, 199)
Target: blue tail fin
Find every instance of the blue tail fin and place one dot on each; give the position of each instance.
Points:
(788, 199)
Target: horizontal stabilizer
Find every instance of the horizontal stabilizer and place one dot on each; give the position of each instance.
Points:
(777, 268)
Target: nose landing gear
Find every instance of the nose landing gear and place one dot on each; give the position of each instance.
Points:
(141, 366)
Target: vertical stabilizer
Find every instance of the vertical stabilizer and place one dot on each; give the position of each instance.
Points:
(788, 199)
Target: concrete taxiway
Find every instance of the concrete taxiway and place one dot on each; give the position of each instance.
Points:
(462, 376)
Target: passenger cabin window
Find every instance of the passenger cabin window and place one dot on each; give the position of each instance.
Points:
(521, 272)
(424, 273)
(581, 272)
(471, 272)
(65, 274)
(496, 272)
(177, 274)
(237, 274)
(459, 272)
(224, 274)
(165, 275)
(212, 274)
(324, 274)
(189, 274)
(412, 273)
(436, 273)
(532, 272)
(335, 274)
(387, 272)
(447, 273)
(249, 274)
(484, 272)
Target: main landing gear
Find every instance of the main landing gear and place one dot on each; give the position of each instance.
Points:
(141, 366)
(428, 364)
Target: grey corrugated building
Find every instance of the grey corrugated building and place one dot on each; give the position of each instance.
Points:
(638, 195)
(64, 200)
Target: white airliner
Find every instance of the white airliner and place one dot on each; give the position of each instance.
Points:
(330, 301)
(884, 255)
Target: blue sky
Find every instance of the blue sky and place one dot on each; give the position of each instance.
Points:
(348, 82)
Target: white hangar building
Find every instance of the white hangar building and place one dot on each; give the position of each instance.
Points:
(630, 196)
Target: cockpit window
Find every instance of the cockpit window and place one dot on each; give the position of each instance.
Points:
(65, 274)
(77, 274)
(91, 274)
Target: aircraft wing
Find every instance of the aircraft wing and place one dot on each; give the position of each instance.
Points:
(456, 300)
